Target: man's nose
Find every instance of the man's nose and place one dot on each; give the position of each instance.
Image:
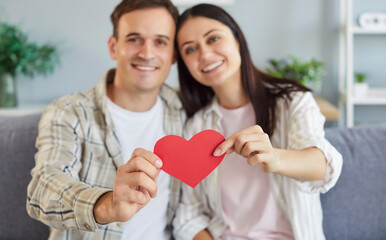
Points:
(146, 50)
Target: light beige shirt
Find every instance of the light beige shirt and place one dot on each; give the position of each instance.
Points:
(77, 159)
(298, 126)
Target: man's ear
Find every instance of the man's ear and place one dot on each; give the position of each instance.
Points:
(111, 45)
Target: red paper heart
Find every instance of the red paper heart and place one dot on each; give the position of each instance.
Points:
(189, 161)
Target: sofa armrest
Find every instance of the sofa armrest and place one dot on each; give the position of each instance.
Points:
(356, 208)
(17, 149)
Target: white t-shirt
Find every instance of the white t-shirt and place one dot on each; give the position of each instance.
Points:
(143, 129)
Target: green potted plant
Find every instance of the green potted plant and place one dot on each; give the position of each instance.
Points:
(308, 73)
(361, 87)
(18, 56)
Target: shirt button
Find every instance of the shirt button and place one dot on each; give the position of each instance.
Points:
(87, 227)
(64, 226)
(100, 158)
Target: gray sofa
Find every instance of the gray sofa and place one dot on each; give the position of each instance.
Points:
(354, 209)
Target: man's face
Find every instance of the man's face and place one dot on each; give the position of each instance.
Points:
(144, 49)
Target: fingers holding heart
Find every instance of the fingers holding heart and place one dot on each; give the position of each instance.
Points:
(148, 156)
(139, 164)
(237, 140)
(254, 145)
(128, 182)
(247, 141)
(190, 160)
(135, 184)
(136, 196)
(140, 174)
(136, 180)
(142, 183)
(245, 145)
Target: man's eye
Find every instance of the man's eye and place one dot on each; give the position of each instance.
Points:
(213, 39)
(161, 42)
(132, 40)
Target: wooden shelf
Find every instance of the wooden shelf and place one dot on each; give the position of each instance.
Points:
(358, 30)
(348, 31)
(329, 111)
(375, 96)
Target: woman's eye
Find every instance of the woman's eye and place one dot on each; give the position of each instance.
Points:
(189, 50)
(213, 39)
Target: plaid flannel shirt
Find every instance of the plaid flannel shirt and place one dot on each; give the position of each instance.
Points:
(77, 159)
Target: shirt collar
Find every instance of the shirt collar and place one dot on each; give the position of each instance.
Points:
(170, 96)
(212, 108)
(167, 93)
(100, 88)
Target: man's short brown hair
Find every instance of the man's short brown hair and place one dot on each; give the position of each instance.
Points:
(130, 5)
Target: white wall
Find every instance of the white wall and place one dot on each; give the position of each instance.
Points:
(274, 28)
(79, 28)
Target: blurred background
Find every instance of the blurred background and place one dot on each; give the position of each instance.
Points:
(275, 29)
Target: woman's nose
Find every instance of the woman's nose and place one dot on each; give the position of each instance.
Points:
(205, 52)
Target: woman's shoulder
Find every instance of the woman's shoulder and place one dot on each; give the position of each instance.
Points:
(201, 120)
(298, 99)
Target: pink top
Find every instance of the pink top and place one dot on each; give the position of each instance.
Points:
(248, 206)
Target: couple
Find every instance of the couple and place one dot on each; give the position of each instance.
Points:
(96, 176)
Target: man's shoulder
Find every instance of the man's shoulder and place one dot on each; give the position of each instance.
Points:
(72, 99)
(70, 102)
(170, 96)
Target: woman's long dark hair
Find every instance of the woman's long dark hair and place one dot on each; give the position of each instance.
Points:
(262, 89)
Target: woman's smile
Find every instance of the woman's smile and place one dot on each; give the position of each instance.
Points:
(213, 66)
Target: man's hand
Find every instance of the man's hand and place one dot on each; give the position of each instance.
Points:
(203, 235)
(135, 184)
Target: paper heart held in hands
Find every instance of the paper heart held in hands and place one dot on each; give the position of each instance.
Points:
(189, 161)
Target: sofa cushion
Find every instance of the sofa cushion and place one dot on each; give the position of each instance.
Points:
(356, 207)
(17, 149)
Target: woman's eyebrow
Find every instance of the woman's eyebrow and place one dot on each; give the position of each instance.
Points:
(206, 34)
(210, 31)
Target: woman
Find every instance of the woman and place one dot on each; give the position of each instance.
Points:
(277, 159)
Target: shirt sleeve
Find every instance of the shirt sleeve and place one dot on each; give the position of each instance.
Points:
(194, 212)
(55, 194)
(307, 130)
(190, 218)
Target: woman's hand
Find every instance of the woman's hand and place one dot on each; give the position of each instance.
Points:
(253, 144)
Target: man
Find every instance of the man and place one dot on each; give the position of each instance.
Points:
(93, 178)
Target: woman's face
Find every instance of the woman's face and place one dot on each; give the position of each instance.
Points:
(210, 52)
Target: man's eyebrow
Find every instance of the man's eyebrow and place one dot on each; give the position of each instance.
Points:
(135, 34)
(163, 36)
(132, 34)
